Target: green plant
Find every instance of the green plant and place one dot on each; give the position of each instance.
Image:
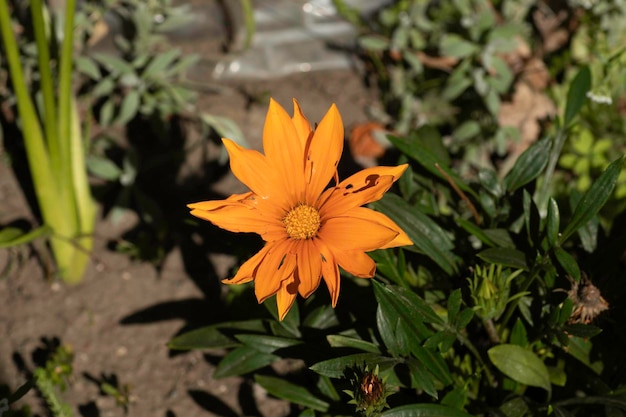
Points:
(490, 310)
(53, 142)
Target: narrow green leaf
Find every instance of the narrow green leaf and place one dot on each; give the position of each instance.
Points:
(129, 107)
(214, 336)
(505, 256)
(528, 166)
(335, 368)
(336, 340)
(421, 151)
(429, 238)
(577, 94)
(594, 199)
(520, 365)
(424, 410)
(568, 263)
(374, 43)
(586, 331)
(88, 67)
(293, 393)
(241, 361)
(265, 343)
(553, 222)
(159, 63)
(421, 378)
(454, 305)
(12, 236)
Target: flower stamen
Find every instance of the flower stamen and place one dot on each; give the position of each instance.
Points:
(302, 222)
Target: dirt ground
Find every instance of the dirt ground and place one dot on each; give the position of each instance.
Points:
(120, 318)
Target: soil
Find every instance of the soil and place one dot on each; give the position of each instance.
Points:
(119, 319)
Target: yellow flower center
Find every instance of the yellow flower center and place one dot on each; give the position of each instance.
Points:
(302, 222)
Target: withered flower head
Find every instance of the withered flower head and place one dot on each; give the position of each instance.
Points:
(587, 299)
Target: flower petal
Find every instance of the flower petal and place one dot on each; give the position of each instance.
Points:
(323, 152)
(352, 233)
(269, 274)
(235, 215)
(309, 267)
(284, 151)
(247, 271)
(361, 188)
(286, 296)
(402, 239)
(356, 262)
(302, 125)
(330, 271)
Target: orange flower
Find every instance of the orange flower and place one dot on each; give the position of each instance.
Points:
(309, 229)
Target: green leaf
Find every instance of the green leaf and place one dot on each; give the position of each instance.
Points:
(529, 165)
(586, 331)
(224, 127)
(453, 45)
(113, 63)
(426, 235)
(323, 317)
(520, 365)
(12, 236)
(129, 107)
(335, 368)
(421, 378)
(88, 67)
(243, 360)
(466, 130)
(265, 343)
(424, 410)
(159, 63)
(103, 168)
(577, 94)
(454, 305)
(505, 256)
(427, 155)
(593, 200)
(291, 322)
(214, 337)
(336, 341)
(568, 263)
(286, 390)
(374, 43)
(553, 222)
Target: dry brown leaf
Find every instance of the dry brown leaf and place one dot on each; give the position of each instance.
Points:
(362, 142)
(444, 63)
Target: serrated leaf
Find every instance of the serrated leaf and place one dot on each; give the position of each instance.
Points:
(334, 368)
(529, 165)
(241, 361)
(513, 258)
(424, 410)
(293, 393)
(577, 94)
(594, 199)
(520, 365)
